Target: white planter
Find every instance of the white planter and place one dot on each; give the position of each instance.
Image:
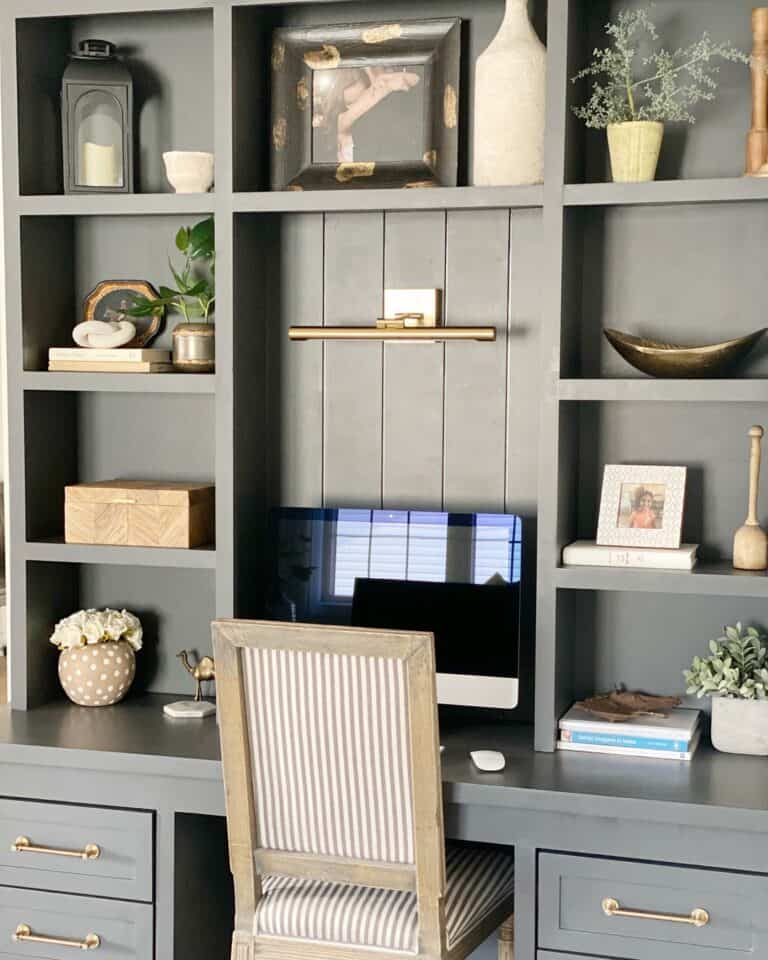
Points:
(740, 726)
(99, 674)
(188, 171)
(510, 104)
(635, 147)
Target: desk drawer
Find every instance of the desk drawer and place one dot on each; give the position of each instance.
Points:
(572, 891)
(124, 929)
(123, 867)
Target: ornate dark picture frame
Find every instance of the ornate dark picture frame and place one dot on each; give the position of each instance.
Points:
(366, 105)
(110, 298)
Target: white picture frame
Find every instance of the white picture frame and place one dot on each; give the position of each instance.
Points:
(642, 506)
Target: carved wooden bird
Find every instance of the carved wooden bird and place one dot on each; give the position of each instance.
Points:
(205, 669)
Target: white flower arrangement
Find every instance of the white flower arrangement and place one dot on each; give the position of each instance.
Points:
(97, 626)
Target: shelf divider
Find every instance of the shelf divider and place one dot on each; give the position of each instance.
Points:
(132, 204)
(664, 391)
(189, 383)
(57, 551)
(707, 579)
(725, 190)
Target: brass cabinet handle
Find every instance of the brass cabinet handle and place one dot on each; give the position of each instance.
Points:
(25, 845)
(23, 934)
(696, 918)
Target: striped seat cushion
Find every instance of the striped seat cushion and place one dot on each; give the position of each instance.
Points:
(477, 882)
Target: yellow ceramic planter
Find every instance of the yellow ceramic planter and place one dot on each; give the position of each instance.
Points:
(634, 147)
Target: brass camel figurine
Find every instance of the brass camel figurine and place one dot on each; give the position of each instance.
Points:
(205, 669)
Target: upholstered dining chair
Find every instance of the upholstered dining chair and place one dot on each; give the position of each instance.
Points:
(334, 800)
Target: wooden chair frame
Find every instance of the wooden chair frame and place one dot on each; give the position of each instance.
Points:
(249, 861)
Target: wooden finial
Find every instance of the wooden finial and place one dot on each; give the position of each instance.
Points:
(750, 545)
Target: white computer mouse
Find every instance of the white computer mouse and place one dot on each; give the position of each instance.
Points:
(489, 761)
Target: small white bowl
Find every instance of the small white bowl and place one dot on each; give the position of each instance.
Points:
(188, 171)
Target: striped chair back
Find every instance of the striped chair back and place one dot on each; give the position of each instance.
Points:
(331, 757)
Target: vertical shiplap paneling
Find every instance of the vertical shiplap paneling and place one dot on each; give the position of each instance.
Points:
(477, 293)
(524, 363)
(353, 371)
(300, 383)
(414, 257)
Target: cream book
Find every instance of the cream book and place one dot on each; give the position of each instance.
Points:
(78, 366)
(586, 553)
(121, 355)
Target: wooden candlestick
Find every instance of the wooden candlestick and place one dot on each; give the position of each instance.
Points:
(757, 141)
(750, 545)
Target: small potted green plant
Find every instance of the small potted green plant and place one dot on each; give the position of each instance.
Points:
(635, 90)
(194, 296)
(735, 676)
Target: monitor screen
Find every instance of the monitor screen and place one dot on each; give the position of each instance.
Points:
(455, 575)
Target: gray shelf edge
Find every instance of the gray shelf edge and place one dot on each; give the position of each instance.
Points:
(74, 8)
(438, 198)
(56, 551)
(725, 190)
(664, 391)
(706, 580)
(132, 205)
(179, 383)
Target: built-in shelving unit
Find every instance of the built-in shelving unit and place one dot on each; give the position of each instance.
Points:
(645, 390)
(119, 382)
(57, 551)
(725, 190)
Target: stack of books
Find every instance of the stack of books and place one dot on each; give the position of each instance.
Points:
(586, 553)
(121, 360)
(673, 737)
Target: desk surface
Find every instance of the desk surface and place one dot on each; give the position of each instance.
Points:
(136, 737)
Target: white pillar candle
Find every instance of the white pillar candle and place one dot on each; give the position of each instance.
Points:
(99, 165)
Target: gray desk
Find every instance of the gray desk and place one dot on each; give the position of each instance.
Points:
(711, 813)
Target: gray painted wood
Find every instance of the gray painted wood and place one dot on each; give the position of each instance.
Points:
(477, 294)
(413, 402)
(123, 869)
(56, 551)
(354, 294)
(125, 928)
(571, 891)
(119, 382)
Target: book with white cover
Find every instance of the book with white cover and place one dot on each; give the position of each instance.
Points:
(586, 553)
(678, 724)
(632, 752)
(130, 366)
(119, 355)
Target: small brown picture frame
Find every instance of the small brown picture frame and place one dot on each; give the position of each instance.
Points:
(366, 105)
(109, 298)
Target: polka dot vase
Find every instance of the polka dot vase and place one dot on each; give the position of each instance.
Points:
(98, 675)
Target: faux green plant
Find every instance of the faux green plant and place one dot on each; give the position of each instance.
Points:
(736, 668)
(661, 85)
(195, 293)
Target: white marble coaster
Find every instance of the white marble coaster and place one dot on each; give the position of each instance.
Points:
(189, 709)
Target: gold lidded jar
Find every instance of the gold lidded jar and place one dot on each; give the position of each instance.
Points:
(194, 347)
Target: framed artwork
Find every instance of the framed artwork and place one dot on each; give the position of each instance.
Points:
(366, 105)
(642, 506)
(110, 300)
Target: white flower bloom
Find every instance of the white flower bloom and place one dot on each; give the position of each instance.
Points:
(93, 628)
(97, 626)
(134, 631)
(115, 624)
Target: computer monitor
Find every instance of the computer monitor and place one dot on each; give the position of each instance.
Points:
(455, 575)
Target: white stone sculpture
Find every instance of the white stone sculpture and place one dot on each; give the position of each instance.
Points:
(101, 335)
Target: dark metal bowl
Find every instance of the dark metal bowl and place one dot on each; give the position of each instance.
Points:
(684, 363)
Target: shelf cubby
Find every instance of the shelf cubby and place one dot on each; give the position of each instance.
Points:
(170, 55)
(175, 610)
(714, 146)
(661, 272)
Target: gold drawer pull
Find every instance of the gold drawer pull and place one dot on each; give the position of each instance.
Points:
(24, 934)
(25, 845)
(696, 918)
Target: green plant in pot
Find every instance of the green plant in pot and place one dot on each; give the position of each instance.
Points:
(193, 296)
(735, 676)
(638, 85)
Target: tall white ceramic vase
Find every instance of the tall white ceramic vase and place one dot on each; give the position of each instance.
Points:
(510, 95)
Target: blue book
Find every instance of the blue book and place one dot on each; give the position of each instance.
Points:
(624, 741)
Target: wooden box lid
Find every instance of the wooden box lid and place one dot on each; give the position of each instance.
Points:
(145, 492)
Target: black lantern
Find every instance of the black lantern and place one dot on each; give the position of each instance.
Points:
(97, 121)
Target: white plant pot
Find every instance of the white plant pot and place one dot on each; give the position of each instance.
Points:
(510, 102)
(189, 172)
(740, 726)
(635, 147)
(97, 675)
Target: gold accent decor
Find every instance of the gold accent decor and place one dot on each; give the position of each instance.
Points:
(24, 845)
(430, 159)
(388, 31)
(696, 918)
(327, 58)
(278, 55)
(345, 172)
(420, 185)
(302, 94)
(295, 188)
(280, 133)
(23, 934)
(95, 300)
(668, 360)
(450, 107)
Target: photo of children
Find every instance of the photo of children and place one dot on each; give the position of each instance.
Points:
(641, 506)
